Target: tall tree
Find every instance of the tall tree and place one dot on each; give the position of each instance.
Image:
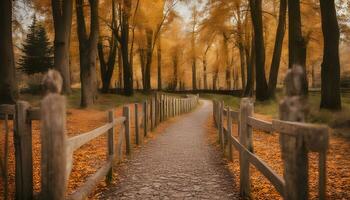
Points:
(8, 85)
(37, 54)
(62, 11)
(297, 44)
(107, 66)
(330, 69)
(239, 39)
(88, 51)
(276, 58)
(193, 46)
(159, 66)
(261, 84)
(124, 47)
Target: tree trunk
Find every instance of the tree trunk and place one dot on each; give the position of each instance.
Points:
(215, 79)
(159, 57)
(261, 84)
(194, 74)
(250, 60)
(107, 67)
(240, 43)
(297, 44)
(175, 72)
(8, 85)
(194, 66)
(227, 62)
(88, 52)
(120, 69)
(149, 55)
(142, 53)
(62, 12)
(205, 79)
(330, 69)
(276, 58)
(124, 43)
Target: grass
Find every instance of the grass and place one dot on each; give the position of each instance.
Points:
(103, 102)
(335, 119)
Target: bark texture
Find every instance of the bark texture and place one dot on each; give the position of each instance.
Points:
(276, 58)
(62, 12)
(261, 84)
(330, 69)
(88, 51)
(8, 85)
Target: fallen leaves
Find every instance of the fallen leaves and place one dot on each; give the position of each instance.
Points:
(267, 147)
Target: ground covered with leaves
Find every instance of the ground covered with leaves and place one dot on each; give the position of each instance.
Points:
(86, 160)
(267, 147)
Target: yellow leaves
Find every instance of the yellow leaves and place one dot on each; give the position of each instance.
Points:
(150, 13)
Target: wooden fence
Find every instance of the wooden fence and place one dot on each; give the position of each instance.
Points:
(57, 149)
(296, 140)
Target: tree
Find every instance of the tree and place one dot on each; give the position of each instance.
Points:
(261, 84)
(107, 65)
(194, 23)
(276, 58)
(62, 11)
(37, 54)
(159, 66)
(330, 68)
(8, 85)
(124, 46)
(297, 44)
(88, 51)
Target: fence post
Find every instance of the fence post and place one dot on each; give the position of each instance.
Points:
(23, 152)
(145, 111)
(156, 109)
(151, 113)
(214, 111)
(294, 152)
(229, 134)
(221, 106)
(137, 127)
(245, 138)
(126, 114)
(53, 139)
(109, 176)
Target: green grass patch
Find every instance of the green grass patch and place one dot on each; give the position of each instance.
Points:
(316, 115)
(103, 102)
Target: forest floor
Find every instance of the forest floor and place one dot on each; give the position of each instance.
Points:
(338, 161)
(91, 156)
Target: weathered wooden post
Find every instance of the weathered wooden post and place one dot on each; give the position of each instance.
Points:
(214, 112)
(23, 152)
(294, 152)
(53, 139)
(161, 108)
(221, 106)
(151, 113)
(229, 134)
(165, 107)
(245, 138)
(145, 125)
(126, 114)
(156, 109)
(137, 127)
(109, 176)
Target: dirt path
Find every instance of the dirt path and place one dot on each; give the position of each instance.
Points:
(178, 164)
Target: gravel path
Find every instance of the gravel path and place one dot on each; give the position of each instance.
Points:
(177, 164)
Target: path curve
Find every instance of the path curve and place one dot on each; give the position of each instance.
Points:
(177, 164)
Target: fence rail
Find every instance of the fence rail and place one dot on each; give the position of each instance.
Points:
(296, 140)
(57, 148)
